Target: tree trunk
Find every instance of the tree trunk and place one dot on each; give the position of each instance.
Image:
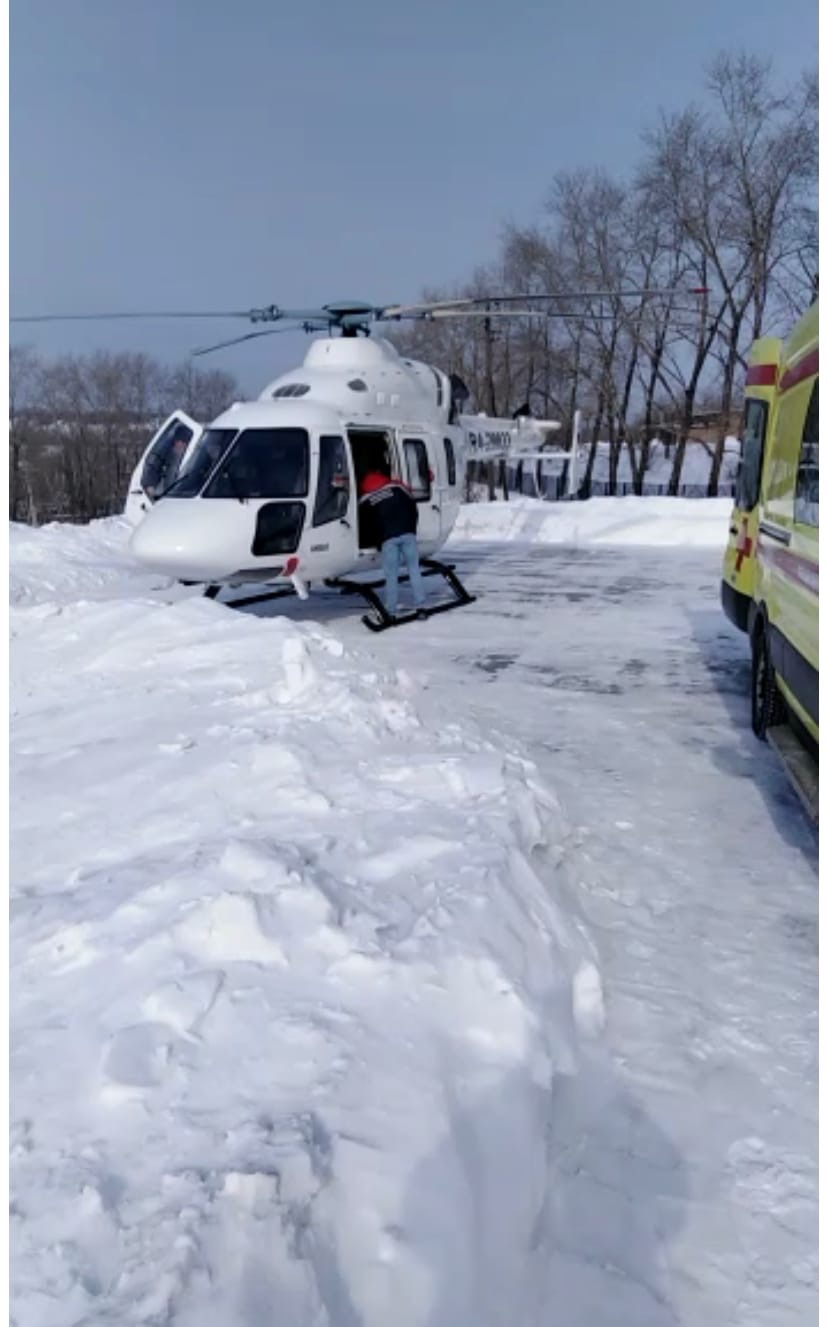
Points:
(681, 445)
(585, 486)
(491, 396)
(504, 480)
(729, 376)
(614, 458)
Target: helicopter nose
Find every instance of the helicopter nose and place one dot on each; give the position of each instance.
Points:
(192, 539)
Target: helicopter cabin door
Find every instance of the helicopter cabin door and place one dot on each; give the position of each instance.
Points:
(334, 517)
(451, 479)
(422, 475)
(372, 449)
(161, 463)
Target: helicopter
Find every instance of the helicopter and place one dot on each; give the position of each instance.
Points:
(267, 494)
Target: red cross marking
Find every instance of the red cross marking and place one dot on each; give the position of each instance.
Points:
(744, 548)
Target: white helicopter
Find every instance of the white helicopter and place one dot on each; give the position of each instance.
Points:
(269, 491)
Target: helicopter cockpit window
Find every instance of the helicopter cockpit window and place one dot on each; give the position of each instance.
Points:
(333, 489)
(292, 389)
(416, 464)
(164, 460)
(263, 463)
(209, 449)
(451, 463)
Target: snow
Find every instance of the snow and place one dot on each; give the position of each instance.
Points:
(59, 562)
(640, 521)
(460, 975)
(695, 468)
(278, 942)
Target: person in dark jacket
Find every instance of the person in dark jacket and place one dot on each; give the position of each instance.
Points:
(393, 516)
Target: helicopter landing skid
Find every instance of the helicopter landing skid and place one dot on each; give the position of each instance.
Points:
(384, 620)
(213, 591)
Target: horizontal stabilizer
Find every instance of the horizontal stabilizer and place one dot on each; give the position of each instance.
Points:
(488, 437)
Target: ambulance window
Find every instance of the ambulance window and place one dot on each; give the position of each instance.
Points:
(806, 504)
(451, 464)
(753, 450)
(416, 464)
(333, 486)
(263, 463)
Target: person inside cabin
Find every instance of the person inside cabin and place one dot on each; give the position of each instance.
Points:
(168, 463)
(386, 503)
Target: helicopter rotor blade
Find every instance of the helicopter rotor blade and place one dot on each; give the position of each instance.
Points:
(485, 313)
(110, 317)
(425, 306)
(250, 336)
(542, 314)
(638, 292)
(392, 311)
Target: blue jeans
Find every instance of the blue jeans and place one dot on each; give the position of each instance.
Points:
(401, 549)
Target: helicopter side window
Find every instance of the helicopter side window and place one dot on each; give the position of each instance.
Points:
(416, 464)
(164, 459)
(263, 463)
(209, 449)
(451, 463)
(333, 485)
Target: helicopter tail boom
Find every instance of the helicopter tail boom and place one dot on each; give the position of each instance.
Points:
(488, 438)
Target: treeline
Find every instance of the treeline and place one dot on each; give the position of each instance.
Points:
(78, 424)
(723, 201)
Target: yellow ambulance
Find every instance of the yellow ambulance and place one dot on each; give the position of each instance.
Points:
(770, 580)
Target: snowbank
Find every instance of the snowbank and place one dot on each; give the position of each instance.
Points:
(61, 561)
(695, 469)
(690, 522)
(294, 972)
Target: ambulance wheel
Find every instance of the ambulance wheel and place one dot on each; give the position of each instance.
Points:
(767, 708)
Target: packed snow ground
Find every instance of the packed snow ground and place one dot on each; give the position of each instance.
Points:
(637, 521)
(315, 935)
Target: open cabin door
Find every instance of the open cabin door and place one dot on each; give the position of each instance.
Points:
(422, 473)
(451, 479)
(333, 533)
(372, 450)
(161, 463)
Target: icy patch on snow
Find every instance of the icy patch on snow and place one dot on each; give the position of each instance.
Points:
(295, 974)
(659, 522)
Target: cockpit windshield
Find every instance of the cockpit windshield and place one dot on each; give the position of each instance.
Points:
(208, 451)
(263, 463)
(253, 463)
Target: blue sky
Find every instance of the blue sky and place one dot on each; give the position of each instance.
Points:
(228, 153)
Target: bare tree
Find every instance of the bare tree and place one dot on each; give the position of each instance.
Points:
(732, 183)
(79, 424)
(24, 380)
